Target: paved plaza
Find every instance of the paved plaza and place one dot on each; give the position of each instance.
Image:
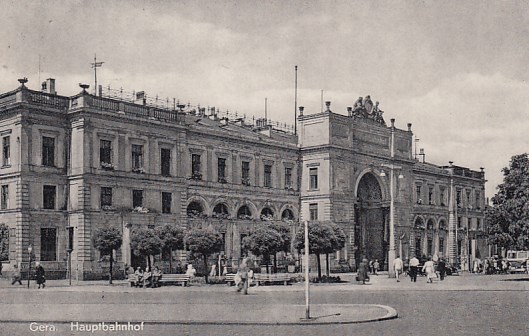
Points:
(466, 305)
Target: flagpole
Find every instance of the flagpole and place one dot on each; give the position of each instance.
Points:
(296, 101)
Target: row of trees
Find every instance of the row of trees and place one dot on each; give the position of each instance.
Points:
(265, 242)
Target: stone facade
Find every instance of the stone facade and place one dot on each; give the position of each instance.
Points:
(85, 162)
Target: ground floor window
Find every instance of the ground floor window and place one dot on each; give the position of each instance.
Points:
(48, 244)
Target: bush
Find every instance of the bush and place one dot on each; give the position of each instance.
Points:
(326, 279)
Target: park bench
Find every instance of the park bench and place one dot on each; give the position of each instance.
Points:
(272, 278)
(230, 279)
(174, 278)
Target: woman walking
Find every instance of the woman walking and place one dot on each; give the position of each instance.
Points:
(429, 269)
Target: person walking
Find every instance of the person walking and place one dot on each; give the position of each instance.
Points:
(414, 267)
(40, 275)
(376, 266)
(429, 269)
(398, 266)
(243, 274)
(362, 272)
(441, 267)
(16, 275)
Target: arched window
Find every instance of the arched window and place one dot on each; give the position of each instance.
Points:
(267, 214)
(195, 210)
(430, 225)
(419, 224)
(442, 225)
(287, 215)
(221, 211)
(244, 213)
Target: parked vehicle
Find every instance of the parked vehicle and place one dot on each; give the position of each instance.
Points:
(517, 261)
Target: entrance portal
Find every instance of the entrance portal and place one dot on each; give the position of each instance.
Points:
(370, 218)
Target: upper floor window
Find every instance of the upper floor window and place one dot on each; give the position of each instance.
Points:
(221, 170)
(458, 198)
(106, 197)
(478, 200)
(430, 195)
(313, 178)
(5, 197)
(137, 198)
(195, 167)
(6, 151)
(48, 244)
(313, 211)
(469, 198)
(245, 173)
(48, 197)
(137, 157)
(48, 151)
(288, 177)
(105, 153)
(443, 195)
(268, 176)
(418, 194)
(167, 199)
(165, 161)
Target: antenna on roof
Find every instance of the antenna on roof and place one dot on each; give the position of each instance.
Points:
(96, 65)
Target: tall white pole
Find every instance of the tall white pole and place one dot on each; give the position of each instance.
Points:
(307, 301)
(391, 252)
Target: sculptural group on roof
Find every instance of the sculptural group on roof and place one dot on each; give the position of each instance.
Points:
(363, 107)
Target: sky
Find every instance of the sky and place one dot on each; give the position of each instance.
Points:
(456, 70)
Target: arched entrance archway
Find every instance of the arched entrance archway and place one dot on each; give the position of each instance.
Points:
(370, 221)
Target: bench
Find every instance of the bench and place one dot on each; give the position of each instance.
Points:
(271, 278)
(174, 278)
(230, 279)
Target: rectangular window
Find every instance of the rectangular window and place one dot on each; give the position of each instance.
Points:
(167, 198)
(137, 157)
(418, 194)
(137, 198)
(478, 200)
(268, 176)
(48, 197)
(105, 152)
(443, 191)
(458, 198)
(6, 151)
(245, 173)
(106, 197)
(478, 224)
(195, 167)
(48, 244)
(48, 151)
(313, 211)
(313, 176)
(288, 178)
(221, 170)
(165, 159)
(469, 198)
(418, 247)
(5, 197)
(430, 195)
(441, 246)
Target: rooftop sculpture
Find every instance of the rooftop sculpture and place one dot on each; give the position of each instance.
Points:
(364, 108)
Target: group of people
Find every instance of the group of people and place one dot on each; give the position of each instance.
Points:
(40, 275)
(145, 278)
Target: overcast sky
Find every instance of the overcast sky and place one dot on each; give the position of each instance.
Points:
(457, 70)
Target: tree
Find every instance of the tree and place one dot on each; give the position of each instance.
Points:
(264, 242)
(172, 239)
(4, 242)
(145, 242)
(204, 242)
(106, 240)
(508, 218)
(337, 242)
(286, 235)
(322, 240)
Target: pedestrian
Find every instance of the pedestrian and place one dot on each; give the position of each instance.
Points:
(16, 275)
(243, 274)
(398, 266)
(414, 267)
(156, 276)
(371, 267)
(441, 267)
(138, 277)
(429, 269)
(362, 272)
(40, 275)
(376, 266)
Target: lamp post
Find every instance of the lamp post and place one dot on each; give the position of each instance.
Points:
(30, 249)
(391, 252)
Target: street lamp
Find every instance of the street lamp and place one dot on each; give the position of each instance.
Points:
(391, 252)
(30, 249)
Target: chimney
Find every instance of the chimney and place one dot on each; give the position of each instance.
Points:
(409, 127)
(301, 108)
(49, 86)
(100, 90)
(349, 111)
(421, 153)
(392, 122)
(328, 104)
